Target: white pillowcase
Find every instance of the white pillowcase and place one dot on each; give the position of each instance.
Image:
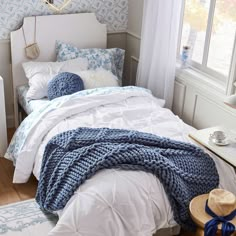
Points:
(40, 73)
(98, 78)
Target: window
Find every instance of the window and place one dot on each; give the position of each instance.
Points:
(209, 29)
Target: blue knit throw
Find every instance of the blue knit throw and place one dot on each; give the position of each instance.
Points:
(72, 157)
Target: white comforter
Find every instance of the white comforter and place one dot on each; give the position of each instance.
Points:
(113, 202)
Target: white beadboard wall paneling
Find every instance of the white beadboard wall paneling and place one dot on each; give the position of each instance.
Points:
(3, 127)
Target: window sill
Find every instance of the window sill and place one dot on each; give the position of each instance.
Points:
(200, 80)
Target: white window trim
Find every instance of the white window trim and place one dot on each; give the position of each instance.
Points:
(181, 22)
(212, 73)
(208, 33)
(231, 82)
(207, 76)
(199, 79)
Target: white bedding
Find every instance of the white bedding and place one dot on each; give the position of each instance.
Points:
(113, 202)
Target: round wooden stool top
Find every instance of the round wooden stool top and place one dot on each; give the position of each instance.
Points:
(199, 216)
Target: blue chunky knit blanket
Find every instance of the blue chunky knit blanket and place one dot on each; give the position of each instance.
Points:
(72, 157)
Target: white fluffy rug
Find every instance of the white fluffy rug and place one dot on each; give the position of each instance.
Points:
(25, 218)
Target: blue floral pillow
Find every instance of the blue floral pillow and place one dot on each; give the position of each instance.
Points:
(109, 59)
(64, 84)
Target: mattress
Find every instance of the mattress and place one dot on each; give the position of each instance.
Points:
(32, 105)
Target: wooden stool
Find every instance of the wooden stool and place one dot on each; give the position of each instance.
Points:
(197, 207)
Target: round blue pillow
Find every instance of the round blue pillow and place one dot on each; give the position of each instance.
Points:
(64, 84)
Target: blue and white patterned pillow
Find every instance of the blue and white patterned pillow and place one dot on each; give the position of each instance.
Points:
(109, 59)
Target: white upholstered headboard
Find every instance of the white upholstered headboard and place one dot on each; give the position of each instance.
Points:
(83, 30)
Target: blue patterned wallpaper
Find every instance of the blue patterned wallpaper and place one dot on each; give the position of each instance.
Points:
(114, 13)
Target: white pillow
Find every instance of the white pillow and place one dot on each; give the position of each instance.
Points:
(40, 73)
(98, 78)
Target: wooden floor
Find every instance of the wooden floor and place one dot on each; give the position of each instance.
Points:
(10, 192)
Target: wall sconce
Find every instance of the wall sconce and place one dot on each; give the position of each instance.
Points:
(57, 7)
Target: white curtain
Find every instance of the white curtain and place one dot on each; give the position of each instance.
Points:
(156, 70)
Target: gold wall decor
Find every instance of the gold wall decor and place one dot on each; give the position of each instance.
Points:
(57, 5)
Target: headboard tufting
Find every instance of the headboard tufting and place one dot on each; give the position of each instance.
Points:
(83, 30)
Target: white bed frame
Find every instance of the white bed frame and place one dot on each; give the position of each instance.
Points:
(83, 30)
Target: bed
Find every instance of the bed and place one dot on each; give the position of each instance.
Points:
(112, 202)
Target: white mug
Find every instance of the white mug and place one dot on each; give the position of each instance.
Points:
(219, 136)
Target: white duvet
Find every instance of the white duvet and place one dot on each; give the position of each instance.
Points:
(113, 202)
